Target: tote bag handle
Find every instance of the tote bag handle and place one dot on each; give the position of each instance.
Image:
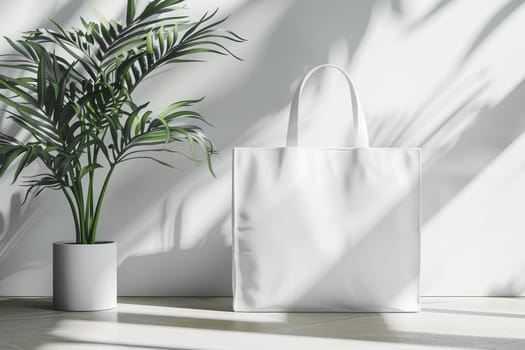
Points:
(360, 129)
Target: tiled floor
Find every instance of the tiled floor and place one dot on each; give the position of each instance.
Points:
(209, 323)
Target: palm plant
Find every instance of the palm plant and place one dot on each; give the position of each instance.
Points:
(72, 91)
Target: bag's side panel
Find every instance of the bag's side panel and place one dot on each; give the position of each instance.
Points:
(326, 229)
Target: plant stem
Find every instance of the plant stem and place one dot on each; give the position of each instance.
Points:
(84, 215)
(89, 204)
(92, 159)
(75, 216)
(80, 204)
(93, 235)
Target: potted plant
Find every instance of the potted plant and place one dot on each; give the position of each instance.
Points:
(72, 91)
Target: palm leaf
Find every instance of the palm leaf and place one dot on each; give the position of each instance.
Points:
(73, 93)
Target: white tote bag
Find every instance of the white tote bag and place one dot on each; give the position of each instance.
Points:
(326, 229)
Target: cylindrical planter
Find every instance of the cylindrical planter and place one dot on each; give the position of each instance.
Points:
(84, 276)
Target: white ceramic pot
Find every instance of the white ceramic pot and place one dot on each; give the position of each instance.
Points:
(84, 276)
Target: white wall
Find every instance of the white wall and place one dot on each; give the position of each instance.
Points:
(446, 75)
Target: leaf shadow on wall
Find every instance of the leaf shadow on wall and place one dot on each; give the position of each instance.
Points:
(17, 220)
(478, 147)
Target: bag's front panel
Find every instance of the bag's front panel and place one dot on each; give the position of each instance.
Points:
(326, 229)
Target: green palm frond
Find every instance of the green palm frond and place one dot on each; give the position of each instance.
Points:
(71, 89)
